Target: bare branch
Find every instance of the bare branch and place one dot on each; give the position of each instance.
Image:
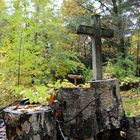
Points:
(81, 5)
(100, 1)
(115, 9)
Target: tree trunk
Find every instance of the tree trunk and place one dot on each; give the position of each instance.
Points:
(117, 9)
(39, 125)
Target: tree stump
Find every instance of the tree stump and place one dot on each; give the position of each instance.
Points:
(87, 113)
(30, 123)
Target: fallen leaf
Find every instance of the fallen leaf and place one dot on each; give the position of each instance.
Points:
(51, 100)
(24, 111)
(16, 107)
(30, 106)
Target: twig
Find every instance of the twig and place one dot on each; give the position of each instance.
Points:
(60, 130)
(85, 7)
(79, 111)
(105, 6)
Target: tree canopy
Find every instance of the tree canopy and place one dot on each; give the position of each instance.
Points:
(35, 45)
(39, 44)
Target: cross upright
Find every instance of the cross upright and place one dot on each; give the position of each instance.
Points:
(96, 32)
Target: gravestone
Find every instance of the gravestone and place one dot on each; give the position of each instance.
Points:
(96, 33)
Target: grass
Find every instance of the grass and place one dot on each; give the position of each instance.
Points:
(131, 102)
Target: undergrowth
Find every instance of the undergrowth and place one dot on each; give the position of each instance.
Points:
(131, 102)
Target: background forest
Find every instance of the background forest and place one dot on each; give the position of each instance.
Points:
(39, 44)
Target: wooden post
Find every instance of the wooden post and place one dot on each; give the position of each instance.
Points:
(96, 47)
(94, 64)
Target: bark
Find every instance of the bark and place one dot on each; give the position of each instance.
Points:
(86, 113)
(117, 9)
(30, 126)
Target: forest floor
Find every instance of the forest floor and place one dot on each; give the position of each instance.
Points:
(131, 102)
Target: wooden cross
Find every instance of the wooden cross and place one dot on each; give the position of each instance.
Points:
(96, 32)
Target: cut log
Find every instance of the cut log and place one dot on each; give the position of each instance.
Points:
(25, 123)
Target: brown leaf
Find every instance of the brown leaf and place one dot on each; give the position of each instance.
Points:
(16, 107)
(51, 100)
(24, 111)
(30, 106)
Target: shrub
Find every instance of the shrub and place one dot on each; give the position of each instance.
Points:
(122, 68)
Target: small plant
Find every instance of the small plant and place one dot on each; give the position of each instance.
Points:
(39, 94)
(123, 69)
(7, 94)
(67, 84)
(44, 95)
(88, 74)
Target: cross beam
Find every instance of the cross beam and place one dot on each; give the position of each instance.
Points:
(96, 32)
(90, 30)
